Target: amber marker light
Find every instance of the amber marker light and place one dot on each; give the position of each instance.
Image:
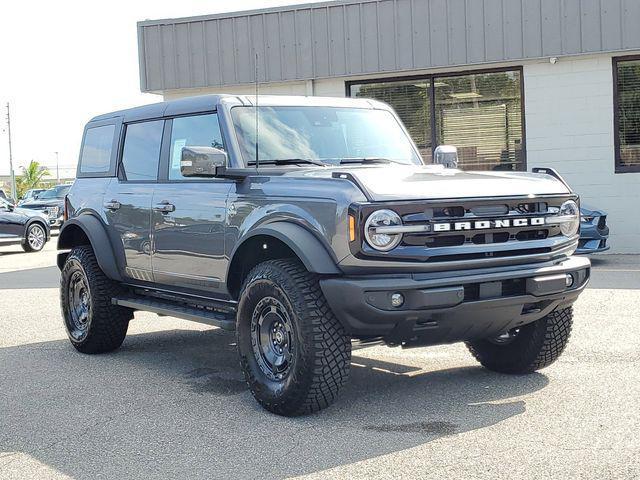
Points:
(352, 228)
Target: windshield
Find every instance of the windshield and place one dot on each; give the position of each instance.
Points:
(55, 192)
(325, 134)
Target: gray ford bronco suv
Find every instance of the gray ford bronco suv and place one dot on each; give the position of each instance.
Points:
(310, 225)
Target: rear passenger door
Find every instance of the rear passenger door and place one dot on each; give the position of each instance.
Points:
(189, 214)
(128, 200)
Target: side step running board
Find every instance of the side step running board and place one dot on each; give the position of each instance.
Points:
(225, 321)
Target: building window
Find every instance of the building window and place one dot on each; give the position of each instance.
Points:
(626, 73)
(480, 113)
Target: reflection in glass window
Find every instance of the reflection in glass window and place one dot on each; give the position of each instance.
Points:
(327, 134)
(480, 114)
(411, 101)
(96, 149)
(628, 115)
(141, 153)
(195, 131)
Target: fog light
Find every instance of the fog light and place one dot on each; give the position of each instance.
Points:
(397, 299)
(569, 280)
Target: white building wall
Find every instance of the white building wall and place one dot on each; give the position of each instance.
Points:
(569, 126)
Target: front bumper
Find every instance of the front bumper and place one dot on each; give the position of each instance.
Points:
(56, 222)
(446, 307)
(592, 238)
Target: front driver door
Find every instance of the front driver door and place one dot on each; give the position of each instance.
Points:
(189, 214)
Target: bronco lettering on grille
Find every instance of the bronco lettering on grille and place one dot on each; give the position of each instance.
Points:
(486, 224)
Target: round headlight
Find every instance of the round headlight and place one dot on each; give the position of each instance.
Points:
(571, 213)
(375, 226)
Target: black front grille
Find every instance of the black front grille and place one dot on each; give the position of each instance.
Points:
(477, 229)
(474, 238)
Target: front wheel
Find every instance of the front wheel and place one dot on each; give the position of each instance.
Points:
(528, 348)
(294, 353)
(35, 238)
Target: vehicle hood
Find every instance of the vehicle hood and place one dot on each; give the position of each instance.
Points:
(54, 202)
(588, 211)
(29, 213)
(400, 182)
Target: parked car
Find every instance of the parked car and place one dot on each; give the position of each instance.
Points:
(3, 195)
(319, 229)
(51, 202)
(30, 195)
(594, 232)
(20, 226)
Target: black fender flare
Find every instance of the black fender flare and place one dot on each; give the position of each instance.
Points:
(309, 249)
(96, 232)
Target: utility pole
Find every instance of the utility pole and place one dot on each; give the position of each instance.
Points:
(14, 192)
(57, 170)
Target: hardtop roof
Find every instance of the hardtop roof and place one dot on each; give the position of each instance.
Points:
(206, 103)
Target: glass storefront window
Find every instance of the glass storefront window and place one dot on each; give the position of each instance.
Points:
(479, 113)
(627, 114)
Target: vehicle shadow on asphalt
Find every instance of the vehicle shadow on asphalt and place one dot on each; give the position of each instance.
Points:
(174, 404)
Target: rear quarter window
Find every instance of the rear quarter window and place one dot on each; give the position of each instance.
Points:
(95, 157)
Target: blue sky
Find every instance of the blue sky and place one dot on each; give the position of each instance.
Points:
(63, 62)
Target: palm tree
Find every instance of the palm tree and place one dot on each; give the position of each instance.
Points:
(31, 177)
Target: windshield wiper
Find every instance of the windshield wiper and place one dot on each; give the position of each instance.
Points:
(366, 160)
(289, 161)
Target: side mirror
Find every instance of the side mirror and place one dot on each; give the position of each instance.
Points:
(201, 161)
(446, 155)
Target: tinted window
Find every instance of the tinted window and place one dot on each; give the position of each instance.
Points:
(141, 152)
(55, 192)
(196, 131)
(627, 111)
(96, 150)
(480, 113)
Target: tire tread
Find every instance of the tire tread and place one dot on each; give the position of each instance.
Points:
(109, 323)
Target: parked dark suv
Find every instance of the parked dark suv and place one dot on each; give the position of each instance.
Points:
(308, 229)
(51, 203)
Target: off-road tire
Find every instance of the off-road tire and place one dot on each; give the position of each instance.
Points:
(107, 324)
(537, 345)
(26, 246)
(322, 353)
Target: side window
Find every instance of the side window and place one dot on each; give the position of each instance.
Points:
(96, 149)
(141, 152)
(195, 131)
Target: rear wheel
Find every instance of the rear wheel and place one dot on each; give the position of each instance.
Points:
(35, 238)
(93, 323)
(294, 353)
(528, 348)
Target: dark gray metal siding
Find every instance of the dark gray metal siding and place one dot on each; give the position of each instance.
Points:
(360, 37)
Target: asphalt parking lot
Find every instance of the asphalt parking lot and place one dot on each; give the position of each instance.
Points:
(171, 403)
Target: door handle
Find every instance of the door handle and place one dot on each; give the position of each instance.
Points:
(112, 205)
(164, 207)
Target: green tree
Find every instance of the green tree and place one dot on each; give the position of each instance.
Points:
(32, 177)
